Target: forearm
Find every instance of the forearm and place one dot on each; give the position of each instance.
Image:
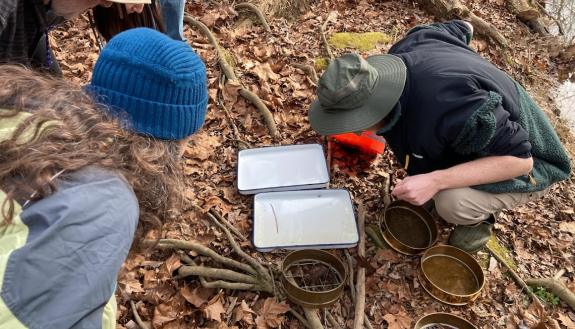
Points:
(482, 171)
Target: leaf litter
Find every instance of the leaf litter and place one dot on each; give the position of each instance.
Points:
(540, 234)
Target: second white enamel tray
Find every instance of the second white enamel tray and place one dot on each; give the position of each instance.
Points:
(318, 219)
(282, 168)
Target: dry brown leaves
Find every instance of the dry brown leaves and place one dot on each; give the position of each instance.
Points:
(540, 234)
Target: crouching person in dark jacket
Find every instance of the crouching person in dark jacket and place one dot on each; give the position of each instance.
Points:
(468, 135)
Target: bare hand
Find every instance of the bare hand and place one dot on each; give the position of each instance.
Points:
(416, 189)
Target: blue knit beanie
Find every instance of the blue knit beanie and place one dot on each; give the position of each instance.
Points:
(159, 82)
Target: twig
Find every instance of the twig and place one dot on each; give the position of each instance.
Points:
(513, 274)
(253, 262)
(234, 127)
(351, 282)
(312, 318)
(228, 224)
(229, 72)
(258, 13)
(332, 321)
(216, 273)
(240, 141)
(360, 294)
(137, 316)
(307, 69)
(203, 272)
(276, 218)
(300, 318)
(180, 244)
(559, 274)
(325, 43)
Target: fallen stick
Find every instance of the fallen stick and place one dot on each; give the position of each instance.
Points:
(323, 37)
(228, 224)
(513, 274)
(360, 292)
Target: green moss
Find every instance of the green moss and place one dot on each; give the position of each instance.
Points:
(502, 252)
(229, 58)
(322, 63)
(361, 41)
(374, 234)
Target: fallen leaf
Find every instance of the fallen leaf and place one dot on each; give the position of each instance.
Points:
(244, 313)
(272, 310)
(215, 311)
(567, 227)
(197, 296)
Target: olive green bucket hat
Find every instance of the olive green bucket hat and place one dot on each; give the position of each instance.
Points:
(354, 93)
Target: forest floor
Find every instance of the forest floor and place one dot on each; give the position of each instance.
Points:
(538, 236)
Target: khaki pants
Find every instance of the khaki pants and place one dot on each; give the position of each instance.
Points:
(466, 206)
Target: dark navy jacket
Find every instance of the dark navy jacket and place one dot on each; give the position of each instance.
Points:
(457, 107)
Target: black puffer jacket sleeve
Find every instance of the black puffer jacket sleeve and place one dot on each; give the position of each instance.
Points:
(509, 137)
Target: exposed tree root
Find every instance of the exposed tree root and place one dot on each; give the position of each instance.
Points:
(323, 37)
(557, 287)
(332, 321)
(449, 9)
(312, 318)
(229, 73)
(307, 69)
(258, 13)
(137, 316)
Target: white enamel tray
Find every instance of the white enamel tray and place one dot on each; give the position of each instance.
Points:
(282, 168)
(317, 219)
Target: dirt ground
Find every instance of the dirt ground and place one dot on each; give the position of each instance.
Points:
(538, 236)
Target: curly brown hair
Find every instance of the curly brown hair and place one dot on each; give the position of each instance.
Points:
(80, 134)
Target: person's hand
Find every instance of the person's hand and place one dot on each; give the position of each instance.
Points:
(416, 189)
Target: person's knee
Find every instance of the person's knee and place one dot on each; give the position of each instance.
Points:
(456, 208)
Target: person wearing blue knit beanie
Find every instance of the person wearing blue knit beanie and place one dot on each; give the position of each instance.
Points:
(156, 85)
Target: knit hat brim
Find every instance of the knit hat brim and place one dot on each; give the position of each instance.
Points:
(384, 95)
(152, 118)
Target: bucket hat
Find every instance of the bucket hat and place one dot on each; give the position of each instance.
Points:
(354, 93)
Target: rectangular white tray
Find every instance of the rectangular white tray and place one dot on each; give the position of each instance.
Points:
(282, 168)
(311, 219)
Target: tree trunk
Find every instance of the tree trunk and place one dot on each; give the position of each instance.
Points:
(528, 15)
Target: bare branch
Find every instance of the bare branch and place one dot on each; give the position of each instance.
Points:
(360, 294)
(230, 226)
(180, 244)
(217, 273)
